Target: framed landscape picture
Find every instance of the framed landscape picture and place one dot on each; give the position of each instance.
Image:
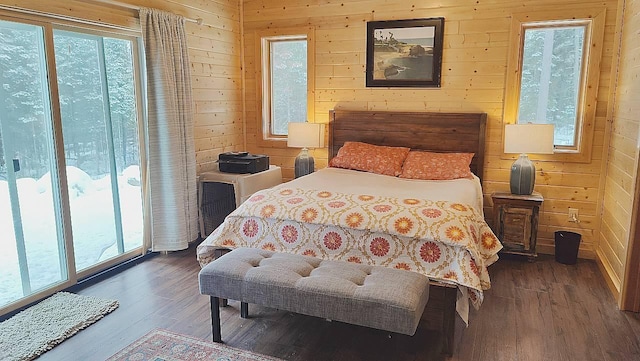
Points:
(404, 53)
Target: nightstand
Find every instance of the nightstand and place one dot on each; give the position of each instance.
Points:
(516, 222)
(220, 193)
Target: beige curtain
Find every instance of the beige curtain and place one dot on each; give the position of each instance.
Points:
(171, 168)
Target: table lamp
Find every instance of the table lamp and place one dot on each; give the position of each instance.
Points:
(305, 135)
(526, 139)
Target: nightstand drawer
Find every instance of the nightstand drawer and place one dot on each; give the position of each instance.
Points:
(516, 228)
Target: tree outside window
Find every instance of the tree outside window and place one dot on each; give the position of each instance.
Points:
(552, 78)
(288, 84)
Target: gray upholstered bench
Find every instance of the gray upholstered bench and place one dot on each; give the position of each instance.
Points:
(372, 296)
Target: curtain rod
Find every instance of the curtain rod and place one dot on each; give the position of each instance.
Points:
(64, 18)
(125, 5)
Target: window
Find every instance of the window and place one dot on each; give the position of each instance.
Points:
(288, 80)
(553, 77)
(285, 82)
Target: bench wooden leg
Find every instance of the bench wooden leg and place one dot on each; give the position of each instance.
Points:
(244, 310)
(215, 319)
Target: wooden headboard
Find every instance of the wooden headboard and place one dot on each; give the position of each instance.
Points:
(436, 132)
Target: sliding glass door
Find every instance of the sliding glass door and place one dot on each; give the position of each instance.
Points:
(99, 121)
(70, 182)
(32, 249)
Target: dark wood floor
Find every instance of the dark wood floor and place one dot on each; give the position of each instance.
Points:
(534, 311)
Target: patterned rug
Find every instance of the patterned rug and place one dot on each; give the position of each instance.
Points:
(40, 327)
(163, 345)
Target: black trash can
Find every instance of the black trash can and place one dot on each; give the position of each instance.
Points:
(567, 244)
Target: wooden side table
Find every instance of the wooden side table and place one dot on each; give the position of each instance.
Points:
(516, 222)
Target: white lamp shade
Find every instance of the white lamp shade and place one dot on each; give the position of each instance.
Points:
(528, 138)
(305, 135)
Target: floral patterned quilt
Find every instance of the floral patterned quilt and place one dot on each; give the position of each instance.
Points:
(443, 240)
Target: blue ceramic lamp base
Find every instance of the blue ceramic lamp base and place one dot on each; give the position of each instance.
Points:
(304, 164)
(523, 176)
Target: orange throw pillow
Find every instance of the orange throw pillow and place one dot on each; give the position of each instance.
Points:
(370, 158)
(436, 166)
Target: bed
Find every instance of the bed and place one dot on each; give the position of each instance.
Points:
(354, 216)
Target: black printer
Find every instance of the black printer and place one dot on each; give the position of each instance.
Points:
(242, 162)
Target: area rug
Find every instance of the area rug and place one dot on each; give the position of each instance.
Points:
(40, 327)
(163, 345)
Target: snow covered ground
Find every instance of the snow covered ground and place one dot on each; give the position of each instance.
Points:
(92, 221)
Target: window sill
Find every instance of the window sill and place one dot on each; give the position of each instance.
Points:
(272, 142)
(561, 156)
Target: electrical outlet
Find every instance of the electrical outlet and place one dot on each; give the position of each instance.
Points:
(573, 215)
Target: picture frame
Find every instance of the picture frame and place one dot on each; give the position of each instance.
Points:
(404, 53)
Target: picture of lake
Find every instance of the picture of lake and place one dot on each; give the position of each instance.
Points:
(424, 42)
(403, 53)
(415, 68)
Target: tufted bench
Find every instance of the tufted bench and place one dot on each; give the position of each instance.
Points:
(372, 296)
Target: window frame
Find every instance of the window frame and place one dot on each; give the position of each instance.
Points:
(264, 137)
(594, 21)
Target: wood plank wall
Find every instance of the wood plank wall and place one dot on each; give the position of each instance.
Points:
(214, 51)
(473, 76)
(620, 191)
(475, 55)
